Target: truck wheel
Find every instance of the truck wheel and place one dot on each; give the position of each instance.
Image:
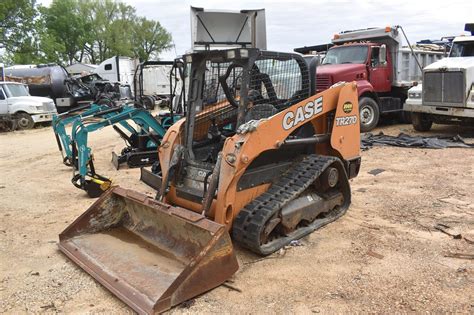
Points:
(369, 114)
(420, 122)
(405, 117)
(24, 121)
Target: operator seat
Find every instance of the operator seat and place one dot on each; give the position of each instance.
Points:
(258, 110)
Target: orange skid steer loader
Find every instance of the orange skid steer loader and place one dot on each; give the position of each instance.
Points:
(258, 157)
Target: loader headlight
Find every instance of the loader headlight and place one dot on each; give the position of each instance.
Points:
(414, 95)
(231, 54)
(244, 53)
(189, 58)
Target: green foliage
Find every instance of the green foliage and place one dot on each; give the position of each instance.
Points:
(71, 31)
(17, 21)
(65, 30)
(111, 22)
(149, 39)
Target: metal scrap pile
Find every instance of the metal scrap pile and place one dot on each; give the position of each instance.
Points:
(93, 88)
(370, 140)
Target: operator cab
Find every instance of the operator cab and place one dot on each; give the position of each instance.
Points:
(227, 89)
(231, 87)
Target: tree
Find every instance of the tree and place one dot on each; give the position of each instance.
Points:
(17, 18)
(149, 39)
(110, 31)
(65, 31)
(117, 30)
(78, 30)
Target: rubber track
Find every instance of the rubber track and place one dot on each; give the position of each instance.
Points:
(251, 219)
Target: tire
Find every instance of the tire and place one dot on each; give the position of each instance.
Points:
(405, 117)
(420, 122)
(24, 121)
(149, 102)
(369, 114)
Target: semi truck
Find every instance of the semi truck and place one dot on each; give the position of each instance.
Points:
(447, 93)
(383, 69)
(117, 69)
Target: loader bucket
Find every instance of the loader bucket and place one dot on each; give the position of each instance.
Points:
(149, 254)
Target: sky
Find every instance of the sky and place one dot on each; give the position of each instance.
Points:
(298, 23)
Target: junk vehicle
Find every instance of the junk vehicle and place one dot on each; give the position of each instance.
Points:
(266, 163)
(83, 90)
(383, 70)
(20, 110)
(67, 91)
(447, 93)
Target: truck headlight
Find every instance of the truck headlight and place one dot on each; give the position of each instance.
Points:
(414, 95)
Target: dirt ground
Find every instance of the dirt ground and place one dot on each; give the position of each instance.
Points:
(383, 256)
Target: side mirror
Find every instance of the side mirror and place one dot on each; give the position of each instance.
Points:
(383, 55)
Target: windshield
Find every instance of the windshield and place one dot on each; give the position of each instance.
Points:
(462, 49)
(346, 54)
(14, 90)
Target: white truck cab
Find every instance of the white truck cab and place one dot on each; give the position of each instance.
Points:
(17, 104)
(447, 93)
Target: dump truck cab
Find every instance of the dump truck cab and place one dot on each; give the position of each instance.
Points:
(447, 93)
(382, 69)
(367, 63)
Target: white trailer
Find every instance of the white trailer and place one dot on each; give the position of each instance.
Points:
(156, 80)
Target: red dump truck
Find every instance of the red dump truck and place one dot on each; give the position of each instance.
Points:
(384, 71)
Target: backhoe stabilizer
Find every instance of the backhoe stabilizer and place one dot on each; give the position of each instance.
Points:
(149, 254)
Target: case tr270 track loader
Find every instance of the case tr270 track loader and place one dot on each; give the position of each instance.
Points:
(258, 157)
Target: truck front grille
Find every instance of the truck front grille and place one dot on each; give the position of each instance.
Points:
(49, 106)
(323, 82)
(443, 88)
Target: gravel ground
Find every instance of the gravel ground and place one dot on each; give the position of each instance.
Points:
(383, 256)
